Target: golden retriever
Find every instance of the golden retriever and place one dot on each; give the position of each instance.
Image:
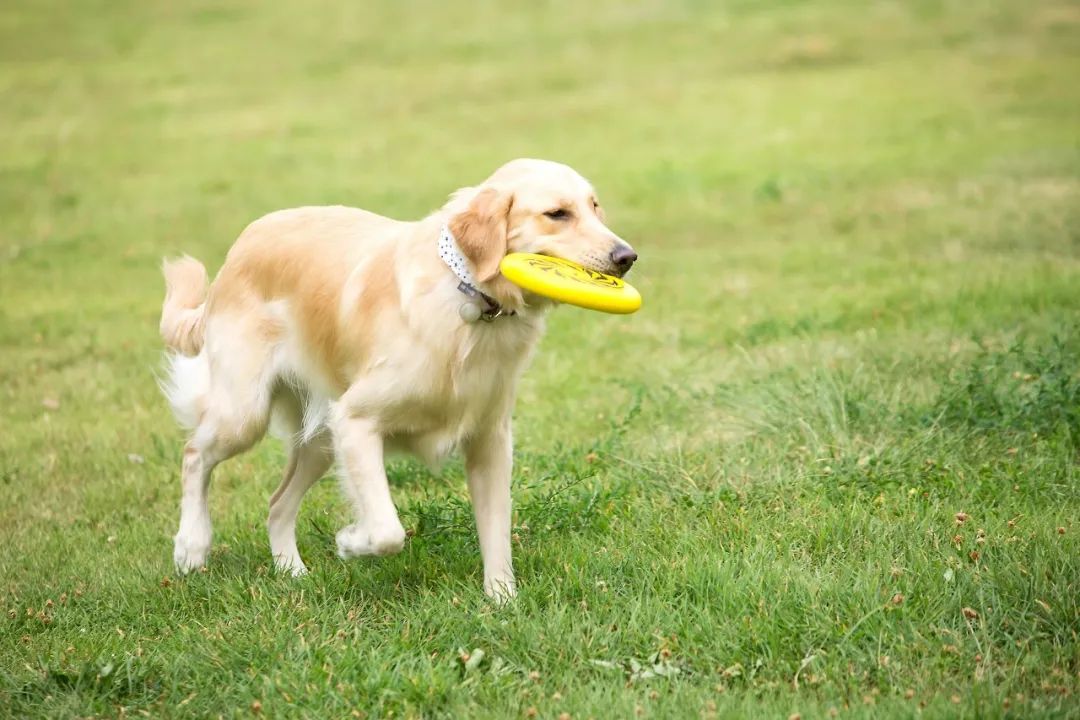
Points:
(352, 335)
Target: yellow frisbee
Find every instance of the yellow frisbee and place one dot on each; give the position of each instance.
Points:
(570, 283)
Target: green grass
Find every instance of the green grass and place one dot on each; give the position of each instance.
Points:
(860, 235)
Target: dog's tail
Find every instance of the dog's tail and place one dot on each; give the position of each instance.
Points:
(183, 313)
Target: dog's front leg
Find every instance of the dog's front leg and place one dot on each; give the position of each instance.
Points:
(377, 530)
(488, 463)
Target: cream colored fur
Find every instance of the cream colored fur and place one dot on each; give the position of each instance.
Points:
(342, 327)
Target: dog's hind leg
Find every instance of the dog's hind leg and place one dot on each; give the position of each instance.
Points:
(192, 541)
(308, 461)
(234, 415)
(211, 445)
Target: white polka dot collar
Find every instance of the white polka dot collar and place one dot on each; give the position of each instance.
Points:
(453, 257)
(479, 306)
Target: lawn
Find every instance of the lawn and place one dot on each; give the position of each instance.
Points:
(831, 468)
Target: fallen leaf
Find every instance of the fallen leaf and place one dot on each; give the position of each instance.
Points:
(473, 660)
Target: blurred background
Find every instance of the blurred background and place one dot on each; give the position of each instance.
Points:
(783, 167)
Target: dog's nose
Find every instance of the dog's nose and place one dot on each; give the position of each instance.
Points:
(623, 256)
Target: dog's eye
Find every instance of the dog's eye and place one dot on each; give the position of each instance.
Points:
(560, 214)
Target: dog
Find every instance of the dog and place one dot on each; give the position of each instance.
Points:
(351, 335)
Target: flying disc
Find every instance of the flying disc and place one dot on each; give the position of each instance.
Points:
(570, 283)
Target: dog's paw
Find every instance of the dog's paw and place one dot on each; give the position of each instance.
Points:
(189, 553)
(501, 590)
(361, 539)
(291, 564)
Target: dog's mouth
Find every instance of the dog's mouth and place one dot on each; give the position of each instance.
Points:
(617, 272)
(606, 269)
(592, 264)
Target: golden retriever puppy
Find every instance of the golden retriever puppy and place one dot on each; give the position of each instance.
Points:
(353, 335)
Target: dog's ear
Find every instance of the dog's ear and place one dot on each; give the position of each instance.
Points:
(480, 231)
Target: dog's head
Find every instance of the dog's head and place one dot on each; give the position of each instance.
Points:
(535, 206)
